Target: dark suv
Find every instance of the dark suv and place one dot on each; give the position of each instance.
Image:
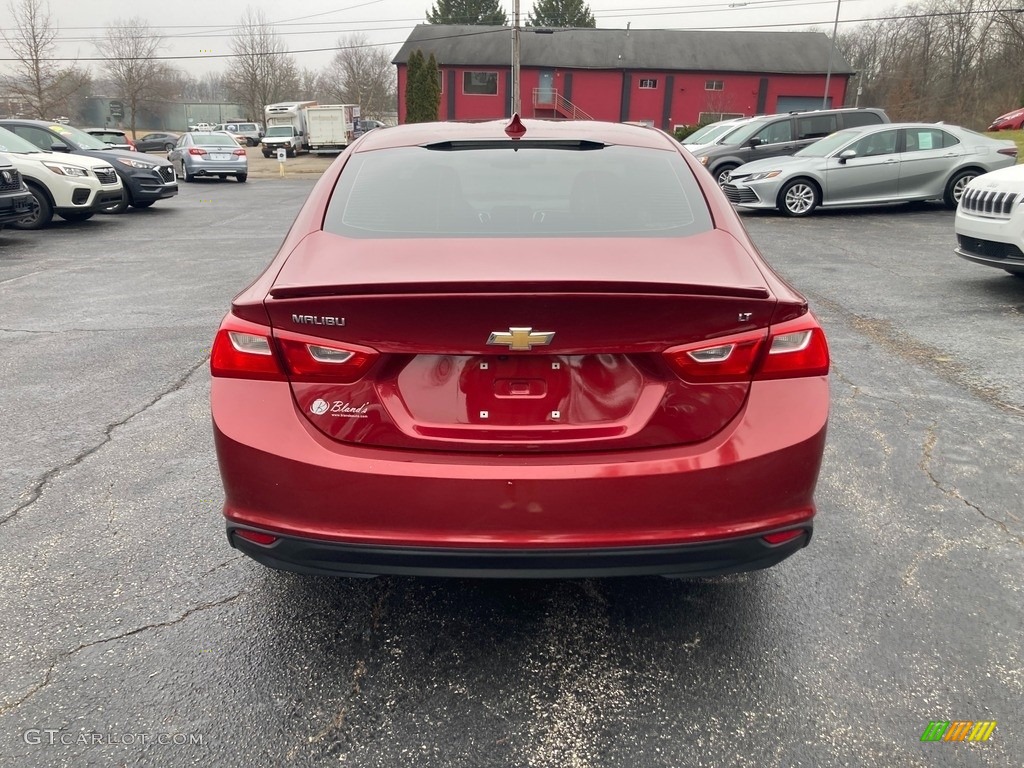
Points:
(146, 179)
(779, 135)
(16, 202)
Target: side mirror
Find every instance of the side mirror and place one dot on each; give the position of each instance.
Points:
(754, 143)
(846, 154)
(59, 146)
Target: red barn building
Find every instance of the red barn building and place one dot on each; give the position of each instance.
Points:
(658, 77)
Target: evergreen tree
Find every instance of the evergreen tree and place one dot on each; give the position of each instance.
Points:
(414, 95)
(468, 12)
(560, 13)
(431, 75)
(422, 88)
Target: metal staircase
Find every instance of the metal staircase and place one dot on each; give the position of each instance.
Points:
(550, 99)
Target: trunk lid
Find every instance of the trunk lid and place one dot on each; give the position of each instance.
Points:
(500, 346)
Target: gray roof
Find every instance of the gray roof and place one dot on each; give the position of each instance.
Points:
(651, 49)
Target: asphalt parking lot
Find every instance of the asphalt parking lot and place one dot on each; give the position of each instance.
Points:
(131, 634)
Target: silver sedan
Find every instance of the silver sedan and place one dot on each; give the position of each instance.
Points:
(889, 163)
(209, 154)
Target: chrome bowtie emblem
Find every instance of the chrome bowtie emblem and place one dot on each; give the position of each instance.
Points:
(521, 339)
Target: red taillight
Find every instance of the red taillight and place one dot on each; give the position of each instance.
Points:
(798, 348)
(730, 358)
(781, 537)
(256, 537)
(1011, 151)
(196, 151)
(240, 152)
(312, 359)
(793, 348)
(244, 350)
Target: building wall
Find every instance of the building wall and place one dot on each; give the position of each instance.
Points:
(617, 96)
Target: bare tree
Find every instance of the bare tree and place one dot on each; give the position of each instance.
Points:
(46, 88)
(262, 72)
(208, 87)
(130, 48)
(311, 85)
(362, 74)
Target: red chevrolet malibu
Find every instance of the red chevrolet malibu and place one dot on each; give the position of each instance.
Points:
(519, 349)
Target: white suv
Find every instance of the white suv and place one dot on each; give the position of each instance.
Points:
(72, 186)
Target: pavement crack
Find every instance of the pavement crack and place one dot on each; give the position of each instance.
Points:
(359, 672)
(61, 657)
(50, 474)
(890, 339)
(930, 440)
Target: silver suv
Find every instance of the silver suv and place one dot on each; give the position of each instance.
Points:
(251, 132)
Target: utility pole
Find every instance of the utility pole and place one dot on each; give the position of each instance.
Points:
(831, 55)
(516, 101)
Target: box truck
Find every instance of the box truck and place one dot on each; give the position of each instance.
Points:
(331, 127)
(286, 128)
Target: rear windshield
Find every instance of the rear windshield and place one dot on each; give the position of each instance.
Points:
(213, 140)
(536, 191)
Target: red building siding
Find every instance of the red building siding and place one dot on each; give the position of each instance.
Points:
(600, 94)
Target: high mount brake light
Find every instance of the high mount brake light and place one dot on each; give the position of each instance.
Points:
(787, 350)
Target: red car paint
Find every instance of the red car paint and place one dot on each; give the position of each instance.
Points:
(1011, 121)
(373, 414)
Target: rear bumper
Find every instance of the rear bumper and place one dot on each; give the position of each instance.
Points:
(713, 558)
(628, 512)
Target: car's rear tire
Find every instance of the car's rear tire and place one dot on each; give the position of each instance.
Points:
(799, 197)
(185, 175)
(43, 214)
(76, 216)
(722, 173)
(241, 177)
(143, 204)
(956, 186)
(168, 147)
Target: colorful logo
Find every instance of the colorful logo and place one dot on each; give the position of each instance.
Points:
(958, 730)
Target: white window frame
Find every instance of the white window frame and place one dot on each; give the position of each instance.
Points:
(651, 83)
(713, 83)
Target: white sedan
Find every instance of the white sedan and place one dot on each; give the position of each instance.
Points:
(990, 220)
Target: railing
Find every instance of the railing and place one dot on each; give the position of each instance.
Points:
(549, 98)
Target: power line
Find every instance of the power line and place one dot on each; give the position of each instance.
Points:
(505, 30)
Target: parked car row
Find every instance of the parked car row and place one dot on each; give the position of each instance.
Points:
(74, 187)
(140, 180)
(888, 163)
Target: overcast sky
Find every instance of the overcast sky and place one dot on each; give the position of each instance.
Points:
(202, 28)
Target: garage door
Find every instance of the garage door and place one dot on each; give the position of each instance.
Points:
(799, 103)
